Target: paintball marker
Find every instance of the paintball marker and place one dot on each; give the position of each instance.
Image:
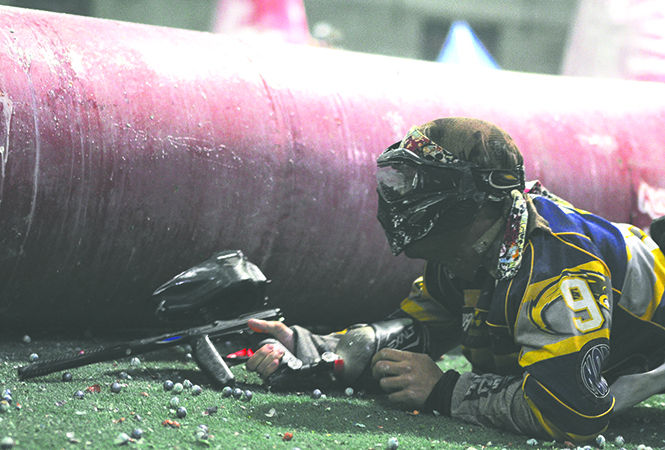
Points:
(222, 286)
(200, 338)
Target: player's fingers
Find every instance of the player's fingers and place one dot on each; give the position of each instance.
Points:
(389, 354)
(402, 397)
(384, 368)
(270, 368)
(381, 369)
(262, 326)
(269, 364)
(258, 357)
(275, 328)
(392, 384)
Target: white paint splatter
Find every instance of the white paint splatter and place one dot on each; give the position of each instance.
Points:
(7, 110)
(396, 122)
(651, 200)
(604, 142)
(35, 179)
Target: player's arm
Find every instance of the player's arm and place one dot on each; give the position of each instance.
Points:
(355, 346)
(422, 328)
(439, 327)
(420, 325)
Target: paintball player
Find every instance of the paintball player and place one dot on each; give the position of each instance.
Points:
(558, 310)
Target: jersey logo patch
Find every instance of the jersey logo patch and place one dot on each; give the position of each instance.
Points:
(591, 370)
(576, 297)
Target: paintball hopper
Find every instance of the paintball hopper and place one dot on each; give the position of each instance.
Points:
(224, 286)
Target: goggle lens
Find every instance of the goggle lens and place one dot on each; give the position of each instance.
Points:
(398, 181)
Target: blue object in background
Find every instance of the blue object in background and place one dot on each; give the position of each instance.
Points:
(463, 47)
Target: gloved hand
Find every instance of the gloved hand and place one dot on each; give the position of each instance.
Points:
(266, 360)
(408, 377)
(277, 364)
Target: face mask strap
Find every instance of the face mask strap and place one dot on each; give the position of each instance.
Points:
(501, 182)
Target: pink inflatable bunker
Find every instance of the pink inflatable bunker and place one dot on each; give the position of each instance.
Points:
(130, 153)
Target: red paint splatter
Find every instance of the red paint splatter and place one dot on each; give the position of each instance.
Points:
(170, 423)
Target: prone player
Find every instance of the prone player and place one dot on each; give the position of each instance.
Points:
(558, 310)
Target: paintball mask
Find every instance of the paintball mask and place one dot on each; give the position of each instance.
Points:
(420, 184)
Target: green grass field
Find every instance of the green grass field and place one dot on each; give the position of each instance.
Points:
(50, 416)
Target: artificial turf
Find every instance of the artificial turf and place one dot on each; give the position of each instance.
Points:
(51, 417)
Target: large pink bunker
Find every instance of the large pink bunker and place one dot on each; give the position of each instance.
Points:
(130, 152)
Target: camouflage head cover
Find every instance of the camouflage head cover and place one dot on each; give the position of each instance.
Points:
(443, 172)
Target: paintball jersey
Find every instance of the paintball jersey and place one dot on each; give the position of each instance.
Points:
(584, 307)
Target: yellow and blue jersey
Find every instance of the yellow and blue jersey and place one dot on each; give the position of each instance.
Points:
(584, 307)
